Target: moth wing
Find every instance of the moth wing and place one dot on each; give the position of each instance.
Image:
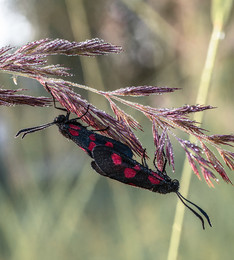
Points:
(97, 169)
(110, 161)
(116, 165)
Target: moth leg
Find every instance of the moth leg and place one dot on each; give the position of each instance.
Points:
(154, 161)
(60, 108)
(143, 160)
(165, 164)
(86, 111)
(64, 109)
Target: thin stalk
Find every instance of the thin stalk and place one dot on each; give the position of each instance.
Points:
(187, 171)
(127, 225)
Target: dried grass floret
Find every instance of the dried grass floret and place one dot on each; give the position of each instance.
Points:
(31, 61)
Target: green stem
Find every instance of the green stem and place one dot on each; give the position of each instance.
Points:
(187, 171)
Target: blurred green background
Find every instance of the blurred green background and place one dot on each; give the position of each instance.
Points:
(52, 204)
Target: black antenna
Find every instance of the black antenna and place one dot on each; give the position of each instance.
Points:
(182, 198)
(33, 129)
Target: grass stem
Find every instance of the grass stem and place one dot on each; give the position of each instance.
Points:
(202, 96)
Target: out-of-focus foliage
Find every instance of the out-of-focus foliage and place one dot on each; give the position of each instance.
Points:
(53, 205)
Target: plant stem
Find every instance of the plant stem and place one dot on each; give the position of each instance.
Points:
(187, 171)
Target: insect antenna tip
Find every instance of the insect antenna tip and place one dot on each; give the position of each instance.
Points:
(183, 199)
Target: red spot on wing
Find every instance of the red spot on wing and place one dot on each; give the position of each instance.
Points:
(153, 180)
(129, 173)
(157, 176)
(117, 160)
(74, 127)
(91, 146)
(73, 132)
(137, 167)
(92, 137)
(132, 184)
(109, 144)
(83, 149)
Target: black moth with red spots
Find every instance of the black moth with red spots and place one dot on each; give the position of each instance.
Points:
(75, 131)
(118, 166)
(121, 168)
(113, 159)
